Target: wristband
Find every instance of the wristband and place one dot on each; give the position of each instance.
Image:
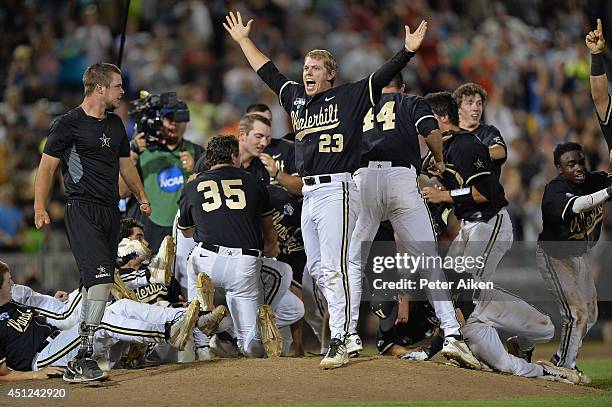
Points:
(276, 175)
(145, 203)
(597, 64)
(462, 196)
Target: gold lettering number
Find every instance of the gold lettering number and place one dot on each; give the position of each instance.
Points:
(368, 121)
(386, 116)
(331, 143)
(240, 200)
(211, 191)
(235, 198)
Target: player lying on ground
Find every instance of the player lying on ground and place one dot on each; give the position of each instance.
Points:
(29, 343)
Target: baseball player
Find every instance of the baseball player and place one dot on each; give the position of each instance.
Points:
(327, 151)
(596, 44)
(471, 99)
(93, 148)
(387, 183)
(572, 214)
(473, 190)
(279, 157)
(227, 211)
(28, 343)
(64, 313)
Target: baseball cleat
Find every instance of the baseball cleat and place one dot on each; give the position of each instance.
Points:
(268, 331)
(337, 355)
(455, 349)
(209, 322)
(181, 330)
(353, 345)
(515, 350)
(161, 266)
(84, 369)
(584, 378)
(560, 374)
(121, 291)
(205, 292)
(416, 355)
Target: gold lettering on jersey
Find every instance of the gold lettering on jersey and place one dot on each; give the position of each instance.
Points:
(583, 224)
(22, 322)
(152, 291)
(325, 119)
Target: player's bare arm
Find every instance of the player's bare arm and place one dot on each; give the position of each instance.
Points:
(44, 179)
(8, 375)
(124, 190)
(596, 44)
(240, 33)
(291, 183)
(434, 143)
(497, 152)
(132, 179)
(271, 248)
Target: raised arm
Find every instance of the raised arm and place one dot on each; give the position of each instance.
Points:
(389, 69)
(596, 43)
(240, 34)
(44, 179)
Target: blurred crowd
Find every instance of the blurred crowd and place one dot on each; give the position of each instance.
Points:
(528, 54)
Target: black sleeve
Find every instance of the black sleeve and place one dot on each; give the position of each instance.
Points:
(492, 137)
(124, 147)
(290, 161)
(266, 204)
(282, 86)
(557, 201)
(59, 139)
(387, 71)
(424, 120)
(185, 219)
(199, 165)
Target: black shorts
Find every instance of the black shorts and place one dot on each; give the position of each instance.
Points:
(93, 234)
(297, 261)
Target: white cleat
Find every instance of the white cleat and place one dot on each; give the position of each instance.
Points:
(456, 350)
(560, 374)
(354, 346)
(337, 355)
(204, 354)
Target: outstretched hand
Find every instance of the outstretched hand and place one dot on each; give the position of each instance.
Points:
(595, 41)
(414, 40)
(236, 28)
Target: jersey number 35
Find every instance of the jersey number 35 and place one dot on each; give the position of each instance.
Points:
(234, 196)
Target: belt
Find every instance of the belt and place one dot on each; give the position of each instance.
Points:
(231, 250)
(377, 165)
(48, 340)
(326, 179)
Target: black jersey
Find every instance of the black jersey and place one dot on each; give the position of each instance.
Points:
(283, 153)
(561, 224)
(225, 205)
(328, 125)
(468, 164)
(22, 333)
(287, 220)
(391, 130)
(489, 136)
(258, 169)
(606, 123)
(89, 149)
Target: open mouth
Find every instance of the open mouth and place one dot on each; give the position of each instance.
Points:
(579, 176)
(310, 85)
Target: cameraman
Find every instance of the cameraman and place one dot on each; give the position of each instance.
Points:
(164, 162)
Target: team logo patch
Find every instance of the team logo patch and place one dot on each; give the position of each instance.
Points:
(105, 140)
(170, 179)
(478, 164)
(102, 272)
(299, 102)
(4, 315)
(288, 209)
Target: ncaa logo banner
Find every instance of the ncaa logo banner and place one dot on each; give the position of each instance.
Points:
(170, 179)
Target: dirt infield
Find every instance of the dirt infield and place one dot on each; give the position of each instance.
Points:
(292, 380)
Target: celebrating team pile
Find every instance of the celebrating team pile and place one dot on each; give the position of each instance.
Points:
(271, 233)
